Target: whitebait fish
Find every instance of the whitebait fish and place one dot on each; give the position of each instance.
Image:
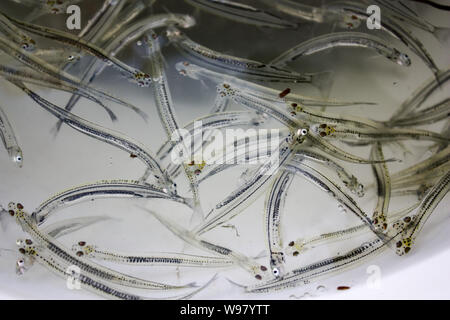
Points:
(436, 160)
(421, 178)
(239, 127)
(258, 271)
(273, 208)
(400, 11)
(331, 188)
(9, 140)
(314, 116)
(421, 94)
(106, 135)
(434, 4)
(370, 135)
(29, 226)
(240, 198)
(125, 17)
(235, 65)
(298, 10)
(58, 56)
(413, 224)
(115, 44)
(299, 246)
(140, 78)
(322, 81)
(151, 259)
(69, 226)
(99, 190)
(242, 13)
(30, 76)
(199, 73)
(164, 104)
(40, 65)
(320, 269)
(390, 26)
(215, 121)
(102, 20)
(258, 105)
(248, 150)
(15, 34)
(342, 39)
(437, 112)
(44, 7)
(317, 14)
(383, 181)
(91, 282)
(336, 152)
(349, 180)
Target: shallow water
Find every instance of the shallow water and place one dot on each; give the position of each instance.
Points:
(52, 164)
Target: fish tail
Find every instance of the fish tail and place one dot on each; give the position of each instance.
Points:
(323, 81)
(442, 34)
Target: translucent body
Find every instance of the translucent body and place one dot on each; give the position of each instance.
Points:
(342, 39)
(242, 13)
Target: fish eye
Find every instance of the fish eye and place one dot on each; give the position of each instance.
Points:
(303, 132)
(403, 59)
(275, 271)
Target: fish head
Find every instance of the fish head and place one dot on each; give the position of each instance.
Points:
(186, 21)
(277, 264)
(402, 59)
(17, 157)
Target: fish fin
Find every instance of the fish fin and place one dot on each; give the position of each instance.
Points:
(197, 214)
(177, 230)
(190, 202)
(201, 288)
(260, 255)
(323, 81)
(442, 34)
(236, 284)
(59, 228)
(55, 130)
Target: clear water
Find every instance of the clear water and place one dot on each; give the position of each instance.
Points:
(53, 164)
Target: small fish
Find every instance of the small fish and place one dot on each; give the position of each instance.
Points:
(106, 135)
(414, 224)
(28, 225)
(242, 13)
(16, 35)
(9, 140)
(437, 112)
(152, 259)
(102, 189)
(136, 76)
(165, 106)
(342, 39)
(31, 76)
(390, 26)
(254, 268)
(235, 65)
(273, 209)
(421, 94)
(234, 203)
(263, 92)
